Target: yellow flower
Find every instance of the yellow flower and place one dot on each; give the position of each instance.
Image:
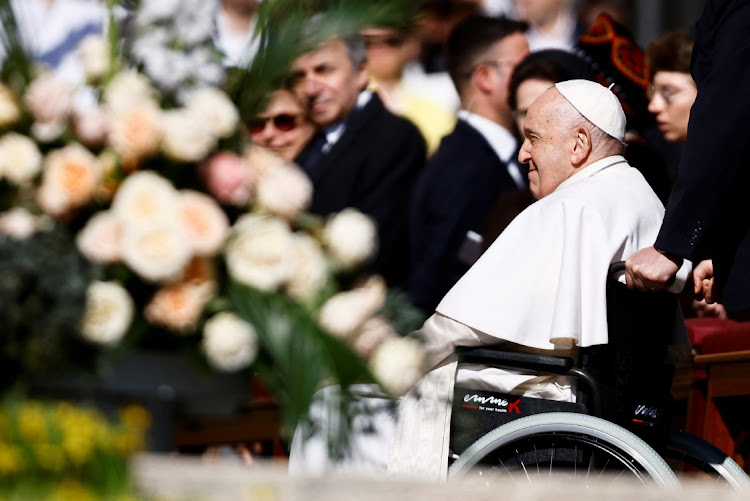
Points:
(50, 457)
(136, 416)
(32, 423)
(71, 490)
(78, 446)
(128, 442)
(11, 461)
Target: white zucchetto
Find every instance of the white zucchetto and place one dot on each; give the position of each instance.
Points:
(597, 103)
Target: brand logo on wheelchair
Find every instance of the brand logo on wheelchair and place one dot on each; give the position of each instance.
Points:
(491, 404)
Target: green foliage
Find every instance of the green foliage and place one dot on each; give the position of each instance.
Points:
(16, 71)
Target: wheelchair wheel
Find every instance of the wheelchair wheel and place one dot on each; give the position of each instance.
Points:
(561, 445)
(690, 456)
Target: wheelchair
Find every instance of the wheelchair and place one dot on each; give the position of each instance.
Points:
(617, 428)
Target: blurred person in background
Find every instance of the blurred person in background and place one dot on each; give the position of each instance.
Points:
(235, 27)
(389, 50)
(474, 164)
(553, 24)
(283, 126)
(363, 156)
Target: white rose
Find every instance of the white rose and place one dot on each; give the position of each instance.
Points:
(9, 111)
(145, 197)
(93, 51)
(109, 311)
(216, 109)
(18, 223)
(309, 273)
(229, 342)
(351, 237)
(46, 132)
(126, 90)
(49, 98)
(261, 254)
(179, 306)
(204, 221)
(260, 159)
(374, 332)
(71, 175)
(284, 190)
(187, 138)
(92, 126)
(20, 159)
(346, 312)
(136, 132)
(398, 364)
(101, 239)
(158, 252)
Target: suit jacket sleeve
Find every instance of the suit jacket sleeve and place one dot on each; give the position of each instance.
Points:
(717, 143)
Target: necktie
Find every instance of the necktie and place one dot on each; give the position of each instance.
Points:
(314, 152)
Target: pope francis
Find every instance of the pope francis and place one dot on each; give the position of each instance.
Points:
(541, 285)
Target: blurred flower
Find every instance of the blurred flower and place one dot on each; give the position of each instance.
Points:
(284, 190)
(373, 333)
(20, 159)
(49, 99)
(351, 237)
(229, 342)
(344, 314)
(178, 306)
(70, 177)
(207, 226)
(18, 223)
(136, 132)
(109, 311)
(215, 109)
(398, 364)
(187, 137)
(92, 126)
(228, 178)
(145, 197)
(101, 239)
(260, 159)
(261, 252)
(158, 252)
(310, 272)
(194, 21)
(152, 11)
(126, 90)
(9, 111)
(93, 53)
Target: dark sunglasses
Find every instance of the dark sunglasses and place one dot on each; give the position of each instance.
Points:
(283, 122)
(391, 41)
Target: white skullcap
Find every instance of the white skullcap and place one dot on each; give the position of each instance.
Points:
(597, 103)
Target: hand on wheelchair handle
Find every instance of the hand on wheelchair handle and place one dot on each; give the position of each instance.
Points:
(651, 270)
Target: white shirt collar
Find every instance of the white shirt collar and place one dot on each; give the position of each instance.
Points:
(501, 141)
(591, 169)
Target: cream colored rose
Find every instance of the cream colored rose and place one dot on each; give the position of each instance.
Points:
(71, 175)
(310, 272)
(346, 312)
(93, 52)
(136, 132)
(20, 159)
(206, 224)
(179, 306)
(92, 126)
(216, 109)
(261, 252)
(100, 240)
(229, 342)
(49, 98)
(158, 252)
(9, 111)
(284, 190)
(109, 311)
(260, 159)
(128, 89)
(46, 132)
(351, 237)
(18, 223)
(145, 197)
(398, 363)
(187, 137)
(373, 333)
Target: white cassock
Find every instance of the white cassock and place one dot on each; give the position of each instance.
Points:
(542, 285)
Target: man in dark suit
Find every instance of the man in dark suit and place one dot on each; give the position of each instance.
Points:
(708, 215)
(364, 156)
(473, 165)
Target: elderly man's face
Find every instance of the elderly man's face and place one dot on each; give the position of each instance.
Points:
(546, 144)
(327, 83)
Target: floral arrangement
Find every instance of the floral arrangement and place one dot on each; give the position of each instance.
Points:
(133, 213)
(59, 451)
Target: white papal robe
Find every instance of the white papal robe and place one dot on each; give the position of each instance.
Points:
(541, 285)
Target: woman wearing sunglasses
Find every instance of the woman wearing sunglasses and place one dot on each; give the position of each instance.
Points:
(283, 126)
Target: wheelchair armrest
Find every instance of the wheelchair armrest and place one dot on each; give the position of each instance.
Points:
(515, 360)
